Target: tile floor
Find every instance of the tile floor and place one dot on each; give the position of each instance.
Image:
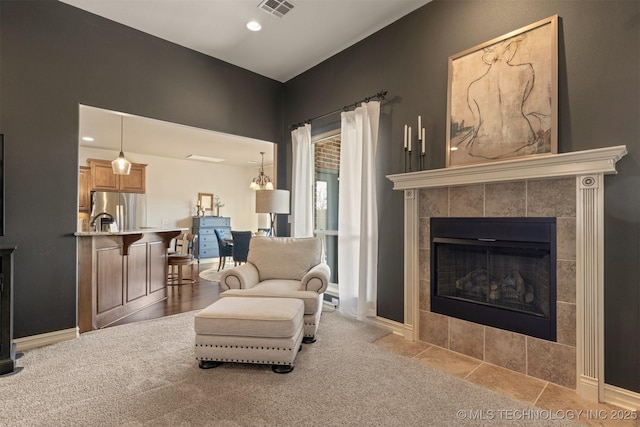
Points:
(561, 401)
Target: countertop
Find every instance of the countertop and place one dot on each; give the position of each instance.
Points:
(127, 232)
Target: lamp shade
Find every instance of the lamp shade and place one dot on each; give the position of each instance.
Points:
(272, 201)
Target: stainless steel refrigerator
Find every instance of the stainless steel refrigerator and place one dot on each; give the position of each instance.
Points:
(129, 210)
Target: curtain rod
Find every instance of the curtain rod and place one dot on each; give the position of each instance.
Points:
(379, 96)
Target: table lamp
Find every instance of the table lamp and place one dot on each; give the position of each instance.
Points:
(272, 202)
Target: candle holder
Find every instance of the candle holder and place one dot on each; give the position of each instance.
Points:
(422, 159)
(409, 154)
(405, 159)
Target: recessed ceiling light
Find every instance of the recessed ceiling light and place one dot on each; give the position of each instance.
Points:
(254, 26)
(204, 158)
(87, 138)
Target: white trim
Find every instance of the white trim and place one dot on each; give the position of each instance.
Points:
(586, 386)
(621, 397)
(40, 340)
(590, 285)
(600, 160)
(396, 327)
(411, 263)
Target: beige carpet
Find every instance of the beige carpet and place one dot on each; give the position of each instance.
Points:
(145, 374)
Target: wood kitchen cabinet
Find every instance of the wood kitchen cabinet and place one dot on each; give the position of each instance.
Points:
(103, 178)
(84, 189)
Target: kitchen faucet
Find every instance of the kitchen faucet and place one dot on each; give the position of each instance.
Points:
(95, 218)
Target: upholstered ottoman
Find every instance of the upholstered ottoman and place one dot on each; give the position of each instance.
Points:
(250, 330)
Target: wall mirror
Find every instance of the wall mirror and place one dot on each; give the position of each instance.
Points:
(205, 201)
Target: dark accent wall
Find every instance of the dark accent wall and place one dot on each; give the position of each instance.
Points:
(599, 69)
(53, 57)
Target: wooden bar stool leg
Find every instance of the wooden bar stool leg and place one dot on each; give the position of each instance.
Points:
(180, 278)
(192, 279)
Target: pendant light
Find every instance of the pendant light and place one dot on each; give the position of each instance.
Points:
(262, 181)
(121, 166)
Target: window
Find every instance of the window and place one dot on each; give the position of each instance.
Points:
(327, 170)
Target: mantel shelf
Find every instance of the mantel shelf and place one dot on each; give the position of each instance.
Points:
(599, 160)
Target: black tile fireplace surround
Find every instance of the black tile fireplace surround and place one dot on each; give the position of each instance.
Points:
(499, 272)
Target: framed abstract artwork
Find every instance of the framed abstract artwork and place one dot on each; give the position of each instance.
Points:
(502, 97)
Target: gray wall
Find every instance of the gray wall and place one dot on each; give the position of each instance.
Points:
(53, 57)
(598, 107)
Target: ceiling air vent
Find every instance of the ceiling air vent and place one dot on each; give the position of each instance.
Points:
(278, 8)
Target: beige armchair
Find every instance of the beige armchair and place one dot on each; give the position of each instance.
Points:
(283, 267)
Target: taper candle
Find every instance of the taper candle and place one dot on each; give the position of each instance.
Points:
(405, 137)
(419, 127)
(424, 144)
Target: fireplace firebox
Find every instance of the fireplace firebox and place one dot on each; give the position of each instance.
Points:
(498, 272)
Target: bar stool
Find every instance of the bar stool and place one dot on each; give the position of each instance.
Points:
(183, 256)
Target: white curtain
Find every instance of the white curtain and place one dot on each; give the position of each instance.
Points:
(358, 214)
(302, 184)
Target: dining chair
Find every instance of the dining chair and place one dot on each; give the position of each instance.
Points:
(225, 248)
(241, 241)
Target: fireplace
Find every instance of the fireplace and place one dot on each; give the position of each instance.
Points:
(498, 272)
(568, 187)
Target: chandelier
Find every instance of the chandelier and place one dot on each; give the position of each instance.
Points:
(262, 181)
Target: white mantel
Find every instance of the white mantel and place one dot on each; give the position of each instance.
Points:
(597, 161)
(589, 168)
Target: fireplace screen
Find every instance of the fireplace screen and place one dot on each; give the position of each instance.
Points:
(496, 271)
(514, 278)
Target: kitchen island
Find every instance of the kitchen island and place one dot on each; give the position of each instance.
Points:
(120, 273)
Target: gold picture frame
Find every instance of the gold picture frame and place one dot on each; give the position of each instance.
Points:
(205, 201)
(502, 97)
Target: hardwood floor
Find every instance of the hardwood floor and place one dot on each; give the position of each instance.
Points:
(193, 297)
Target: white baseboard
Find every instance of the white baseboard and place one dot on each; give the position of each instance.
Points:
(621, 397)
(35, 341)
(587, 388)
(396, 327)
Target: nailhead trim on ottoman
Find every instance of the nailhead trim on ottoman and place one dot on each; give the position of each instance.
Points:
(250, 330)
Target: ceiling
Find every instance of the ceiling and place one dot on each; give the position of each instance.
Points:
(158, 138)
(312, 31)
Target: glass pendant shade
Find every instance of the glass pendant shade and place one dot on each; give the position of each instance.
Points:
(121, 166)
